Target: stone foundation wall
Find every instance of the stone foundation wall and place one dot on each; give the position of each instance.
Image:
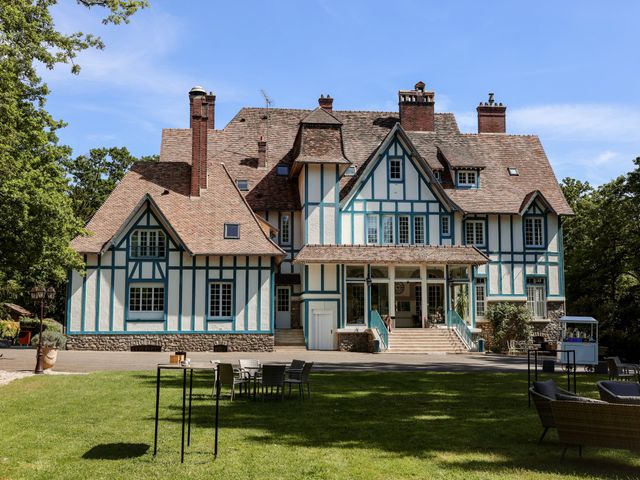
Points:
(197, 342)
(356, 341)
(551, 331)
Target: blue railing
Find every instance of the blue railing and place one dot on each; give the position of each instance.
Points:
(462, 329)
(376, 323)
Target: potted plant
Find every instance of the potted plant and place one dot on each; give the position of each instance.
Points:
(52, 341)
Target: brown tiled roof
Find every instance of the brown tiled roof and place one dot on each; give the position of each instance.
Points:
(393, 254)
(362, 133)
(176, 145)
(198, 222)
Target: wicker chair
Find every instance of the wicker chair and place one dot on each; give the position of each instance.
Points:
(620, 392)
(272, 376)
(604, 425)
(621, 371)
(543, 403)
(231, 377)
(302, 380)
(295, 369)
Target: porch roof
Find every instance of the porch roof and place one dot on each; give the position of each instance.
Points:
(391, 254)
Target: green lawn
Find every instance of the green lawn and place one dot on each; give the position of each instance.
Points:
(357, 426)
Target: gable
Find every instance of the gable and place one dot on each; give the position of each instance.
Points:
(146, 217)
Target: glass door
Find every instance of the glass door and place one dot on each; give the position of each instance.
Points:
(380, 298)
(355, 303)
(435, 303)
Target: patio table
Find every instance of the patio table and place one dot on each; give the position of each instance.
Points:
(212, 367)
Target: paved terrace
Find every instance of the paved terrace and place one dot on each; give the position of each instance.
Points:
(81, 361)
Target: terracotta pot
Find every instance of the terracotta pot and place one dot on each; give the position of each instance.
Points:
(49, 356)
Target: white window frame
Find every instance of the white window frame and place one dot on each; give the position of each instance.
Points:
(445, 221)
(227, 235)
(404, 230)
(534, 227)
(137, 310)
(465, 178)
(400, 173)
(422, 238)
(481, 298)
(224, 308)
(285, 230)
(475, 226)
(373, 227)
(537, 306)
(157, 249)
(388, 221)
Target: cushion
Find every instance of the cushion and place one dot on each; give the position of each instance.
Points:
(625, 389)
(547, 388)
(575, 398)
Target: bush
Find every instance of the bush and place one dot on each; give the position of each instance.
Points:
(51, 339)
(47, 324)
(9, 329)
(509, 321)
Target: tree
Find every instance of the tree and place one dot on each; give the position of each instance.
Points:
(94, 176)
(36, 215)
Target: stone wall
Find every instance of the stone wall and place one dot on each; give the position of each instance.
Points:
(551, 331)
(356, 341)
(197, 342)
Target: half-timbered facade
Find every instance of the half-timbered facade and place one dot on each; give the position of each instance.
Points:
(338, 223)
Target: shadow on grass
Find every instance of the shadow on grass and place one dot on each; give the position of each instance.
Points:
(116, 451)
(421, 414)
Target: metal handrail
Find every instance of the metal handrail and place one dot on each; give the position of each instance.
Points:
(462, 329)
(378, 325)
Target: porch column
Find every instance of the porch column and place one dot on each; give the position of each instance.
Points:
(423, 287)
(392, 292)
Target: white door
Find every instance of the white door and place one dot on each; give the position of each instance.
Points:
(322, 331)
(283, 307)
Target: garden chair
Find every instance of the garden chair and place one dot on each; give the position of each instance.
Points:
(295, 369)
(542, 394)
(619, 392)
(231, 377)
(272, 376)
(620, 371)
(302, 380)
(249, 367)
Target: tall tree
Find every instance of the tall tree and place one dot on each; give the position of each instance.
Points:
(36, 216)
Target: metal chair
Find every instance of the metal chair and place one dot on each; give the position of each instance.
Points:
(232, 377)
(302, 380)
(295, 369)
(621, 371)
(272, 376)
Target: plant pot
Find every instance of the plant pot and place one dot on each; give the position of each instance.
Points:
(49, 357)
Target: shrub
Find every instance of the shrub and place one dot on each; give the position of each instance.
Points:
(9, 329)
(51, 339)
(47, 324)
(509, 321)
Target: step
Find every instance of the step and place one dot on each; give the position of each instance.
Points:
(289, 337)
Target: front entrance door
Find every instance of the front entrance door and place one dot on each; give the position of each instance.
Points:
(435, 303)
(283, 307)
(321, 330)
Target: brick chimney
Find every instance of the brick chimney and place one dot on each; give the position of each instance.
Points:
(262, 153)
(211, 110)
(492, 117)
(416, 109)
(199, 122)
(326, 103)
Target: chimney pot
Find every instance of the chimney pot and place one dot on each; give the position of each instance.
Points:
(326, 102)
(262, 153)
(492, 116)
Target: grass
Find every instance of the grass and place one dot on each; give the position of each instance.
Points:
(357, 426)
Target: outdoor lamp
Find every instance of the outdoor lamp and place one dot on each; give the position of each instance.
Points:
(51, 293)
(38, 293)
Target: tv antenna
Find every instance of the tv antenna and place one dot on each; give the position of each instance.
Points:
(267, 102)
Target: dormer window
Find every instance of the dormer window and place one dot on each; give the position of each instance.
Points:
(350, 171)
(148, 243)
(282, 170)
(243, 185)
(231, 230)
(513, 171)
(438, 175)
(395, 169)
(467, 178)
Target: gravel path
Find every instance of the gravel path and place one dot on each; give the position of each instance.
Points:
(7, 377)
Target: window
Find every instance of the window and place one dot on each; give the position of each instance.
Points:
(285, 236)
(243, 185)
(407, 272)
(387, 229)
(146, 299)
(535, 297)
(480, 297)
(372, 229)
(395, 169)
(282, 303)
(379, 272)
(533, 236)
(513, 171)
(475, 232)
(403, 229)
(350, 171)
(148, 243)
(438, 175)
(231, 230)
(467, 179)
(220, 300)
(282, 170)
(356, 271)
(444, 226)
(418, 230)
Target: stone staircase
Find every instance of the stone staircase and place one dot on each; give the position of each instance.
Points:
(289, 339)
(424, 340)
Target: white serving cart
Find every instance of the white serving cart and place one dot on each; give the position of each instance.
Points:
(579, 334)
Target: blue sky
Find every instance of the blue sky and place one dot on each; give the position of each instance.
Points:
(568, 71)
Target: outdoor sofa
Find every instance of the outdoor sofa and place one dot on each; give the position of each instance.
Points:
(619, 392)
